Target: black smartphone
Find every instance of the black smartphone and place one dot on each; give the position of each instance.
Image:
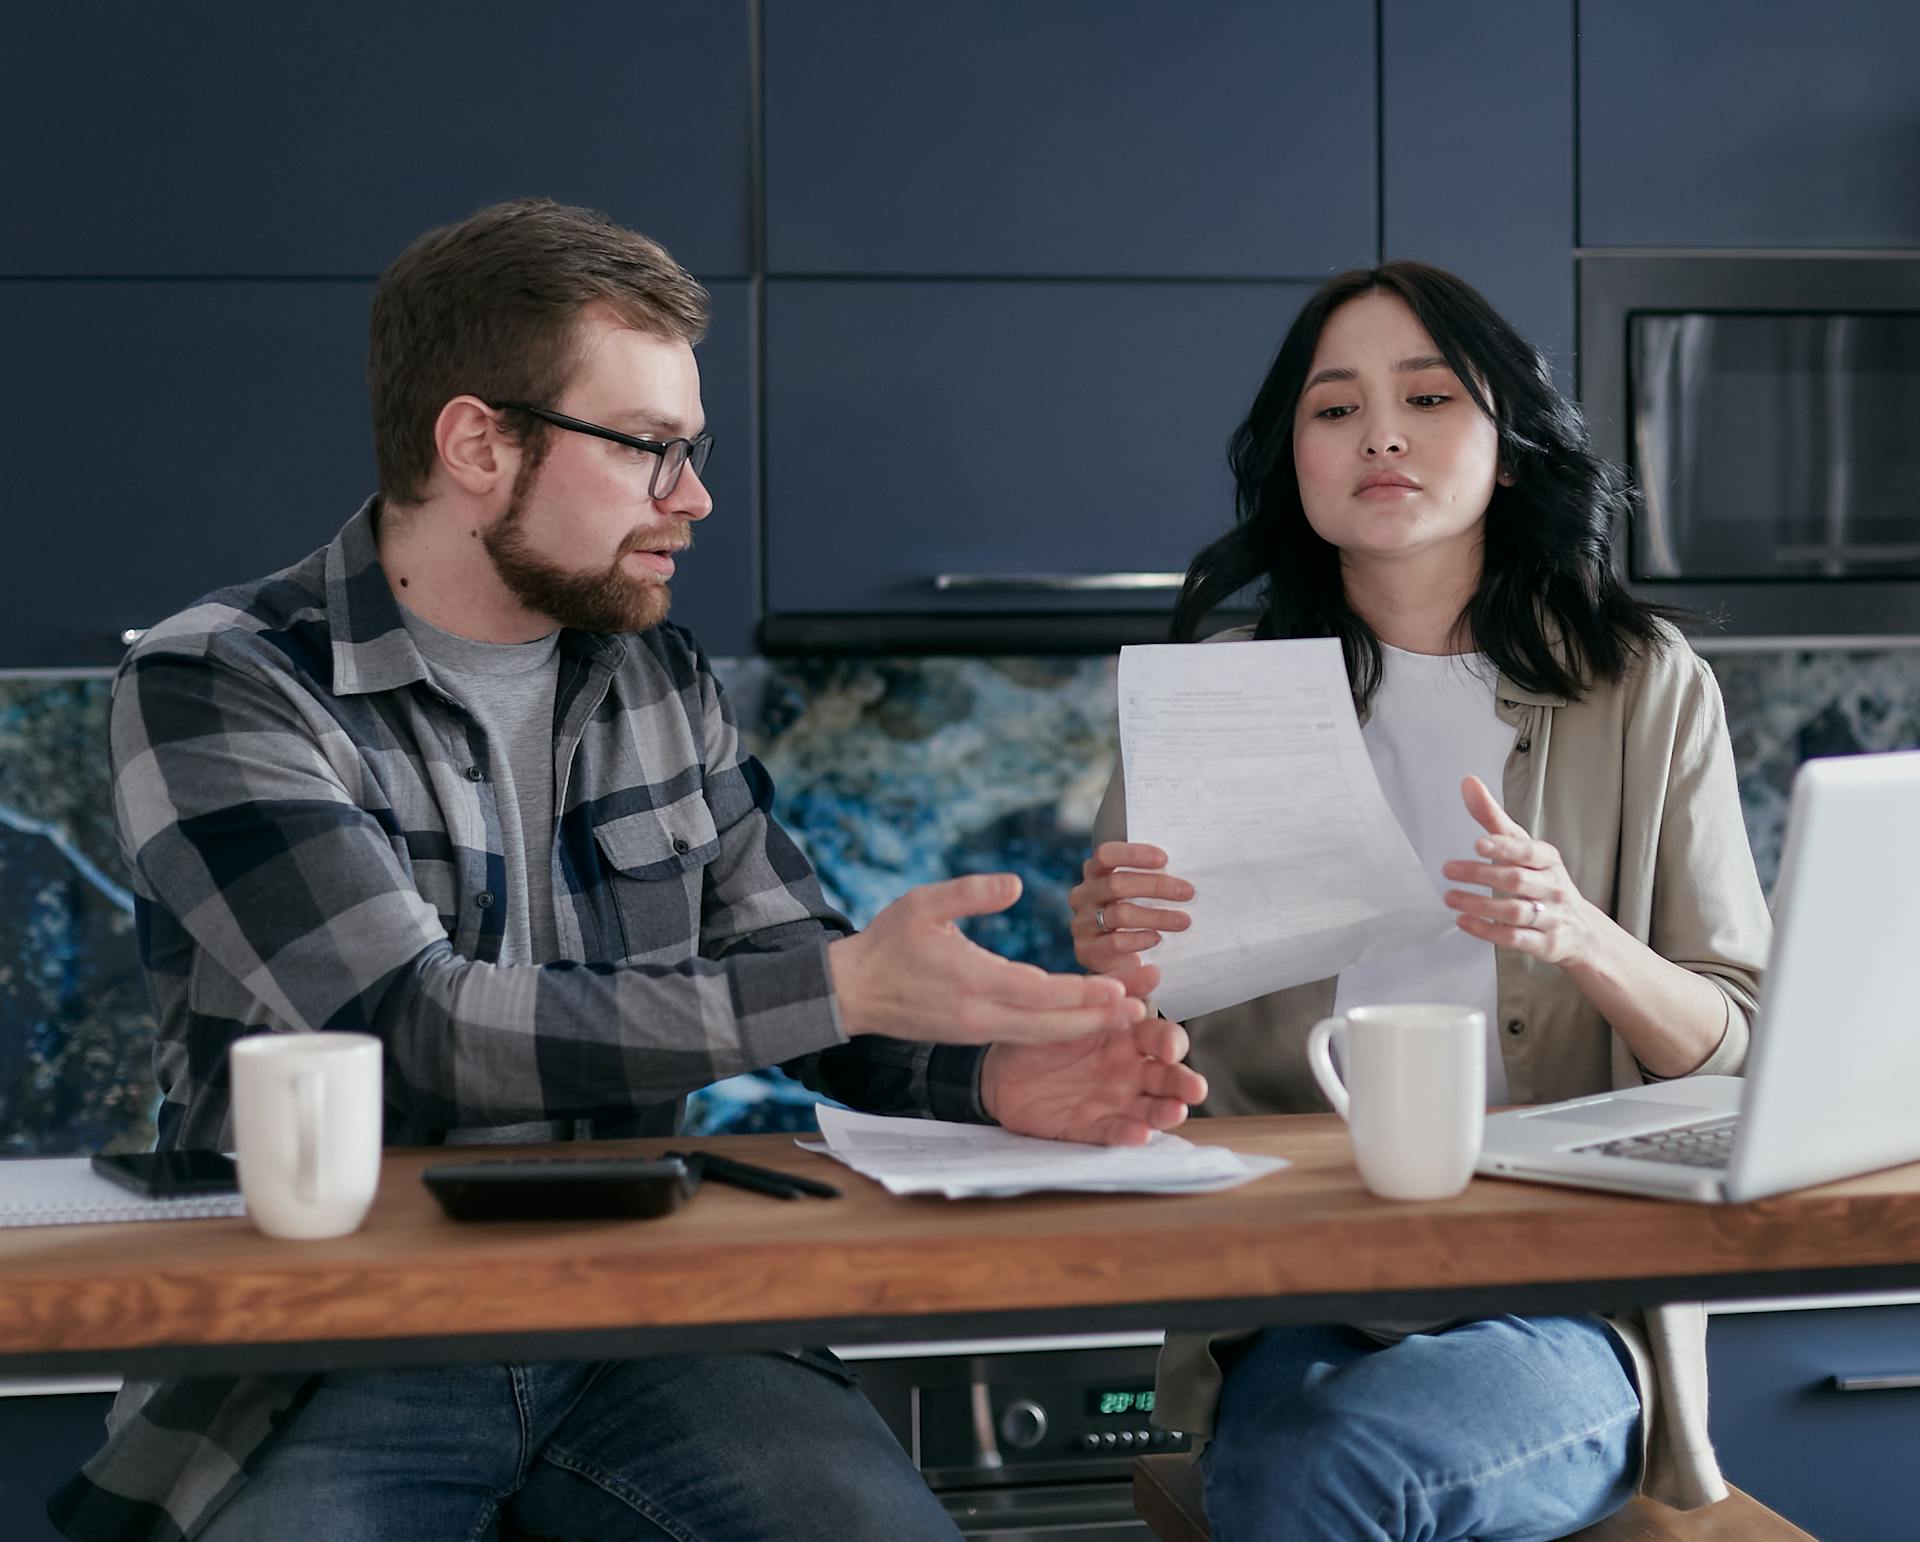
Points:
(170, 1174)
(559, 1188)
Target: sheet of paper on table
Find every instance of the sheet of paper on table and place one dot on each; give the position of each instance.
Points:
(965, 1161)
(1244, 763)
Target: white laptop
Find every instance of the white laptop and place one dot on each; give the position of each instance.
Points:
(1832, 1084)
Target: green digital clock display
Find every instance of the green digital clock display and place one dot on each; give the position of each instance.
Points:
(1119, 1401)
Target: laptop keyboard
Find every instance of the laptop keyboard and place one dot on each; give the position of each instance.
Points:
(1693, 1145)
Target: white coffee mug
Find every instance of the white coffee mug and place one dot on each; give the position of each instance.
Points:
(306, 1130)
(1415, 1095)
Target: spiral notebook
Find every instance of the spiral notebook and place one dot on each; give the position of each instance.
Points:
(66, 1191)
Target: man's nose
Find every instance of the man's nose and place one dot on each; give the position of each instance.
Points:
(689, 498)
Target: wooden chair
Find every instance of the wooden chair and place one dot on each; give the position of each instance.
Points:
(1166, 1495)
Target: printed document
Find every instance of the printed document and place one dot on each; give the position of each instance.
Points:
(1244, 763)
(973, 1161)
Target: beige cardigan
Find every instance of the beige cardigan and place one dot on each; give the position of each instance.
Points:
(1635, 786)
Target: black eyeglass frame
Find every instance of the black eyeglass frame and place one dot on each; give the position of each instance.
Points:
(697, 450)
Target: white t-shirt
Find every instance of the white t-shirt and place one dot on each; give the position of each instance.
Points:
(1433, 724)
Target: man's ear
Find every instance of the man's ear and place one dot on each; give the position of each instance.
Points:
(473, 450)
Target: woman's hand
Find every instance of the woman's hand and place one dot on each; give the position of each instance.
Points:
(1535, 908)
(1109, 928)
(1669, 1018)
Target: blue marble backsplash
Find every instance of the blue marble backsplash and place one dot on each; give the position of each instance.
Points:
(891, 772)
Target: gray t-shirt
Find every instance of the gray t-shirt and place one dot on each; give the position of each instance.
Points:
(509, 688)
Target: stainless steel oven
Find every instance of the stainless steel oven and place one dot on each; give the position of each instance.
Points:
(1025, 1442)
(1769, 404)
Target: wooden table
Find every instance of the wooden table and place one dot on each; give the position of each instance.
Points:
(737, 1270)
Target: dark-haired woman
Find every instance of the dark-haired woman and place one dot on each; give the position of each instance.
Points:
(1410, 482)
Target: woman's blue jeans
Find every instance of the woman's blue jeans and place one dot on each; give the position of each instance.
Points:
(1511, 1429)
(692, 1448)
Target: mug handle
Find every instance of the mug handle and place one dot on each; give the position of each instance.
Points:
(310, 1110)
(1320, 1062)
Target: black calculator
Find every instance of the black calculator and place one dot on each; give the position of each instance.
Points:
(560, 1188)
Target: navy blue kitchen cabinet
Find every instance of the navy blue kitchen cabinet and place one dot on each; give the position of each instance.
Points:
(315, 139)
(1477, 112)
(167, 438)
(1099, 138)
(995, 432)
(1731, 123)
(164, 439)
(1838, 1463)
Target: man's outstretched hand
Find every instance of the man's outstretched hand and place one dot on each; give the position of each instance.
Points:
(913, 975)
(1112, 1088)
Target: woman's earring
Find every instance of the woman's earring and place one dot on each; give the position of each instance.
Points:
(1504, 477)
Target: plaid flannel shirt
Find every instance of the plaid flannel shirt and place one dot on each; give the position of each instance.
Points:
(311, 826)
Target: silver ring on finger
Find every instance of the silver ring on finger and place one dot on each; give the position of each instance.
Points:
(1534, 922)
(1100, 918)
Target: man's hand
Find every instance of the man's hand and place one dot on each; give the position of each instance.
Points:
(912, 975)
(1113, 1088)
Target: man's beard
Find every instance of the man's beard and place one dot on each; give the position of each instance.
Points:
(609, 601)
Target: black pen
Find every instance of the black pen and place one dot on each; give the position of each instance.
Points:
(761, 1179)
(705, 1166)
(811, 1186)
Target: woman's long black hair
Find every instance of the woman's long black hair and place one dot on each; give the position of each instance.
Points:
(1547, 571)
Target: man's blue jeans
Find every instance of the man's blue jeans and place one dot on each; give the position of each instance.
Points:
(1512, 1429)
(696, 1448)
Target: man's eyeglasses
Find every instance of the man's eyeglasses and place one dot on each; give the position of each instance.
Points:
(673, 453)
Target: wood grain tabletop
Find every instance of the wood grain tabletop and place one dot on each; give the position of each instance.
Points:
(1290, 1242)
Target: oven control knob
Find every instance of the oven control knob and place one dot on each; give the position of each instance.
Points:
(1024, 1424)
